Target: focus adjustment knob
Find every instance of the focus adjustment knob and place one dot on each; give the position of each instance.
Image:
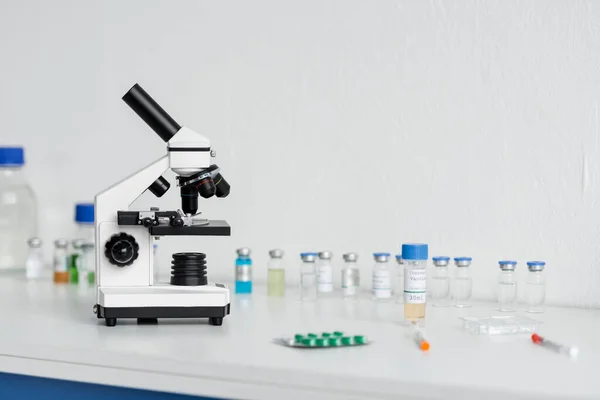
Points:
(121, 249)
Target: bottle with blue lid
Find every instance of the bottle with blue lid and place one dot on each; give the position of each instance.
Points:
(506, 289)
(18, 210)
(414, 257)
(535, 288)
(440, 282)
(243, 271)
(85, 236)
(462, 285)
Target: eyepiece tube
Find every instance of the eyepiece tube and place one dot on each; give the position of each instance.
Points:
(151, 112)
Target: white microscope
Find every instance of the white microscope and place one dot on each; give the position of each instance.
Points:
(125, 286)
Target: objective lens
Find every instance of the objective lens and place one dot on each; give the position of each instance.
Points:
(206, 188)
(222, 185)
(189, 199)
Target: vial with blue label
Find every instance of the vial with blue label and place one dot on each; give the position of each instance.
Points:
(414, 256)
(243, 271)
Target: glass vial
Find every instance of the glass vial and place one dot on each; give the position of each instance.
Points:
(350, 276)
(324, 274)
(399, 287)
(414, 256)
(75, 260)
(61, 261)
(308, 277)
(243, 271)
(535, 290)
(506, 289)
(87, 272)
(276, 274)
(440, 282)
(462, 285)
(382, 277)
(34, 263)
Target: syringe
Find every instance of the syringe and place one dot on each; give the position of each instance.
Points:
(571, 351)
(420, 341)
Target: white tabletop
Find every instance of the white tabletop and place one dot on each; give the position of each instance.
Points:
(50, 331)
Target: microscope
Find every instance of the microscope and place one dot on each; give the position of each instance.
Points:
(125, 286)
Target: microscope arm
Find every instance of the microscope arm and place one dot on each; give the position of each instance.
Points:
(120, 195)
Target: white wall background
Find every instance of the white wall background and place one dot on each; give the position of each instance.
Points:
(344, 125)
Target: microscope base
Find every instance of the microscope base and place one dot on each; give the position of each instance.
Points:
(147, 304)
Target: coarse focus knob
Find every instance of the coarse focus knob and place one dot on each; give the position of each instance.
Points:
(121, 249)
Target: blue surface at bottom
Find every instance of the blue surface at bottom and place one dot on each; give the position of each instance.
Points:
(17, 387)
(243, 286)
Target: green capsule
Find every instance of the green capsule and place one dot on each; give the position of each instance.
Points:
(310, 342)
(334, 341)
(337, 333)
(312, 335)
(320, 342)
(325, 334)
(347, 341)
(298, 337)
(359, 339)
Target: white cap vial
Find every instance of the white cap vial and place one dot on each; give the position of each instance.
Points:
(325, 255)
(61, 243)
(276, 253)
(350, 257)
(35, 242)
(243, 252)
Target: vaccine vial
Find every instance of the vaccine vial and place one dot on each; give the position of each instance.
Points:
(535, 290)
(440, 282)
(506, 289)
(350, 276)
(243, 271)
(34, 262)
(324, 274)
(382, 277)
(276, 274)
(84, 218)
(308, 277)
(87, 271)
(61, 261)
(414, 256)
(462, 285)
(75, 260)
(399, 286)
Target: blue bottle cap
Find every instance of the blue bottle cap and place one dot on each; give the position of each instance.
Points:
(398, 256)
(84, 213)
(440, 258)
(309, 254)
(381, 254)
(536, 263)
(12, 156)
(461, 259)
(415, 251)
(507, 262)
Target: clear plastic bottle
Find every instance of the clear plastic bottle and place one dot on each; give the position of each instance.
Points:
(350, 276)
(398, 288)
(535, 291)
(506, 290)
(324, 274)
(415, 257)
(75, 260)
(440, 282)
(308, 277)
(382, 277)
(87, 274)
(462, 285)
(276, 274)
(34, 265)
(18, 210)
(61, 261)
(243, 271)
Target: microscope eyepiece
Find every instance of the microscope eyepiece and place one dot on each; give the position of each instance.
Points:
(151, 112)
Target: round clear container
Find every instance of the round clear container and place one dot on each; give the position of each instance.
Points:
(440, 282)
(350, 276)
(382, 277)
(414, 258)
(325, 274)
(84, 218)
(275, 274)
(535, 289)
(506, 288)
(308, 277)
(18, 210)
(462, 285)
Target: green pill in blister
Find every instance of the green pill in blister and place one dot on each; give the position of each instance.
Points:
(298, 338)
(359, 339)
(320, 342)
(334, 341)
(338, 333)
(346, 341)
(325, 334)
(312, 335)
(308, 342)
(325, 340)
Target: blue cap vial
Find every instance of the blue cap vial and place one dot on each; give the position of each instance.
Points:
(415, 251)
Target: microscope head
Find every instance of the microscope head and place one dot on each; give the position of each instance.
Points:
(189, 153)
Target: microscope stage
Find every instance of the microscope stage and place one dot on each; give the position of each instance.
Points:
(213, 228)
